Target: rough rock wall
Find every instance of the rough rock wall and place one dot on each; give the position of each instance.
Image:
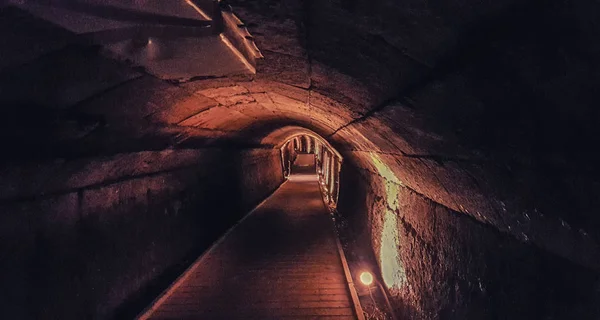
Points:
(85, 237)
(441, 264)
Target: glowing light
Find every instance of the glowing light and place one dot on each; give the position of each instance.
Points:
(366, 278)
(392, 270)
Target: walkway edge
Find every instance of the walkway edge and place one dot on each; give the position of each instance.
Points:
(355, 301)
(156, 303)
(351, 288)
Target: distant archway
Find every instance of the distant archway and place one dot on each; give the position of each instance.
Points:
(328, 161)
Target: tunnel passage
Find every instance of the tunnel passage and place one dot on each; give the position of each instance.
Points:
(467, 169)
(328, 162)
(281, 261)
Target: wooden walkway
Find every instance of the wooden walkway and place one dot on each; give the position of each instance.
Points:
(281, 262)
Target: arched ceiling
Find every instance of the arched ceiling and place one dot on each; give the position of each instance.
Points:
(394, 141)
(489, 120)
(415, 116)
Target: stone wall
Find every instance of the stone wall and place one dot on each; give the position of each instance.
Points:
(97, 238)
(441, 264)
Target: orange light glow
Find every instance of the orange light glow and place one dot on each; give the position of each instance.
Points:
(366, 278)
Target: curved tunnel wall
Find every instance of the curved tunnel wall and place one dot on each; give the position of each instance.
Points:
(109, 233)
(439, 264)
(467, 233)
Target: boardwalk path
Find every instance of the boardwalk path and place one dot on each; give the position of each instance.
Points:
(282, 262)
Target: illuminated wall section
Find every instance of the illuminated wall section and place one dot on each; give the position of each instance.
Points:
(392, 270)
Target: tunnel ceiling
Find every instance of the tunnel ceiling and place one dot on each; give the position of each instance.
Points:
(396, 88)
(487, 118)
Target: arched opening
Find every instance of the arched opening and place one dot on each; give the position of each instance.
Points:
(326, 160)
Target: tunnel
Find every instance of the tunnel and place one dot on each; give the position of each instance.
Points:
(449, 149)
